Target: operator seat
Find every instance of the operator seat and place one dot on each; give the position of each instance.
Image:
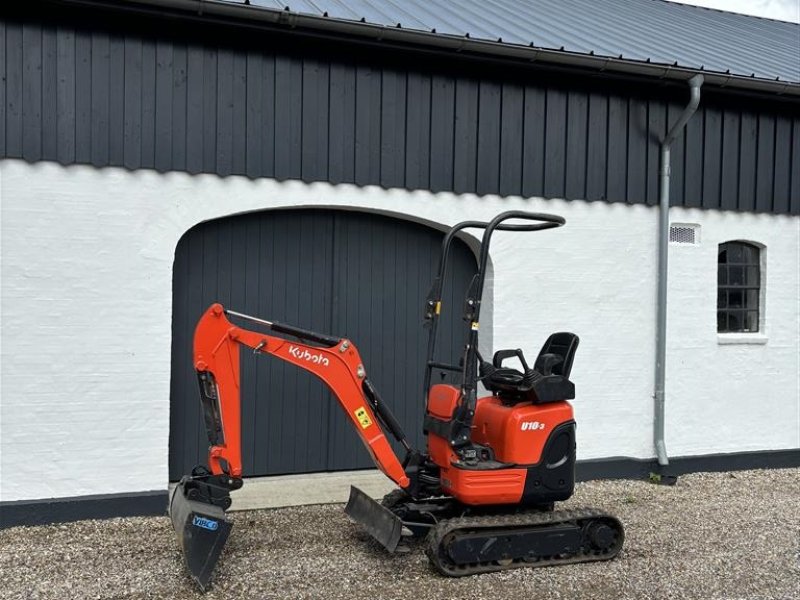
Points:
(548, 381)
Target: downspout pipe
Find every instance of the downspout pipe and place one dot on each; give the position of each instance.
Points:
(663, 247)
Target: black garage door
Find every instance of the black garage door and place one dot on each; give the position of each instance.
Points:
(355, 275)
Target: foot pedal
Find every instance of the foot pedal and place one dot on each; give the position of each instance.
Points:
(381, 523)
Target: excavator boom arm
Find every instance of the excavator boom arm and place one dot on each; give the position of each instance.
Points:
(217, 343)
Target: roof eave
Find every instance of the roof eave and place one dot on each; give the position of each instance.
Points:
(373, 32)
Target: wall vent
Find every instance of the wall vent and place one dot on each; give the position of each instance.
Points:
(683, 233)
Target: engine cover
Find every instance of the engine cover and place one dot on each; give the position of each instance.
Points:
(517, 433)
(534, 448)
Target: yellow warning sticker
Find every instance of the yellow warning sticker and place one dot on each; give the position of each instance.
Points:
(474, 326)
(363, 417)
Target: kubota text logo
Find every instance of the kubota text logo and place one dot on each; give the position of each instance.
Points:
(317, 359)
(532, 425)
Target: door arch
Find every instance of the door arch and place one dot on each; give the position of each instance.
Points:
(358, 275)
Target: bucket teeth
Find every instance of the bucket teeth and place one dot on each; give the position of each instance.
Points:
(202, 529)
(379, 521)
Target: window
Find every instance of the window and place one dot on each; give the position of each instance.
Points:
(738, 287)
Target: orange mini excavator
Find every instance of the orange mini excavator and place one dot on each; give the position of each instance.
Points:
(481, 493)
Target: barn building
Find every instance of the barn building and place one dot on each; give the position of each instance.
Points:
(299, 160)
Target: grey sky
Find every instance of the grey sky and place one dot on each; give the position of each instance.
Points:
(784, 10)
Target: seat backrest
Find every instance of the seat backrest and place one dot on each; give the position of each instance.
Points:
(563, 344)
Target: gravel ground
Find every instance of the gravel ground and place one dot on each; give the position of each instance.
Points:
(721, 536)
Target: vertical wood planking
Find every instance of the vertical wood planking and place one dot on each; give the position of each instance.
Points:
(596, 157)
(765, 163)
(617, 151)
(657, 129)
(341, 142)
(393, 129)
(729, 199)
(133, 103)
(555, 151)
(693, 160)
(3, 84)
(14, 70)
(65, 95)
(511, 140)
(418, 131)
(179, 106)
(636, 184)
(255, 114)
(163, 106)
(489, 109)
(677, 164)
(100, 72)
(195, 61)
(224, 144)
(465, 153)
(712, 158)
(94, 97)
(783, 157)
(368, 125)
(315, 120)
(239, 144)
(577, 136)
(31, 92)
(794, 170)
(288, 117)
(49, 95)
(443, 92)
(533, 127)
(748, 143)
(148, 104)
(267, 131)
(208, 120)
(83, 97)
(116, 102)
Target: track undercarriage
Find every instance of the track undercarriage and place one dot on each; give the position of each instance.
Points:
(462, 540)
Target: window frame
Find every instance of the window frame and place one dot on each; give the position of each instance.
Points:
(748, 261)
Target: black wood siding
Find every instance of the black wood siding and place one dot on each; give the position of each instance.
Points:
(356, 275)
(117, 98)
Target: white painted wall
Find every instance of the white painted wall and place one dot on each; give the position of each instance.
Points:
(86, 318)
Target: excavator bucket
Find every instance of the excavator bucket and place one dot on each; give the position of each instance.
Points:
(379, 521)
(202, 529)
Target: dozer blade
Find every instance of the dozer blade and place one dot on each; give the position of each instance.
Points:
(379, 521)
(202, 529)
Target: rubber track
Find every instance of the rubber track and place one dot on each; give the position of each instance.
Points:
(437, 553)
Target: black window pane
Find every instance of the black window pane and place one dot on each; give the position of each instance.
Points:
(721, 299)
(748, 253)
(722, 258)
(751, 321)
(736, 275)
(752, 276)
(722, 321)
(735, 253)
(751, 299)
(734, 322)
(722, 275)
(735, 298)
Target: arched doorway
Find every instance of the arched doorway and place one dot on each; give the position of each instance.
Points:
(358, 275)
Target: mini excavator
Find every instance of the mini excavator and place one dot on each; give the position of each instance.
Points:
(482, 493)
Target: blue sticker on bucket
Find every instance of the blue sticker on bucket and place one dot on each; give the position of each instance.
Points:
(209, 524)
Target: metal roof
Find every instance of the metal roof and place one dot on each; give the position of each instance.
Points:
(647, 31)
